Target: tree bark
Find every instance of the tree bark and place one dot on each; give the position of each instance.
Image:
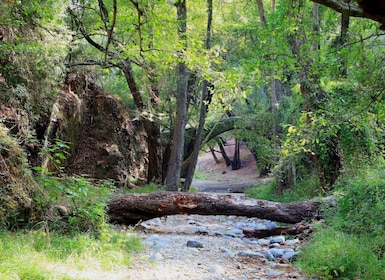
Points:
(236, 162)
(203, 109)
(177, 144)
(132, 208)
(152, 128)
(223, 152)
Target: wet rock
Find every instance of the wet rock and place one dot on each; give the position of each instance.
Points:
(194, 244)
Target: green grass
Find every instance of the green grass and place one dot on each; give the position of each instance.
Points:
(268, 192)
(37, 255)
(350, 244)
(334, 254)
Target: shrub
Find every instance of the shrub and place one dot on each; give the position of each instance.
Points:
(333, 254)
(75, 204)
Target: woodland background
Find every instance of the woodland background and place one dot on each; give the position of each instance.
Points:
(99, 95)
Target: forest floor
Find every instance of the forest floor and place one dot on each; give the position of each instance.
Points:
(192, 247)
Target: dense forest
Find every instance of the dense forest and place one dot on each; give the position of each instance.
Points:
(99, 97)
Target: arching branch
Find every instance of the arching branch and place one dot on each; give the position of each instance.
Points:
(374, 10)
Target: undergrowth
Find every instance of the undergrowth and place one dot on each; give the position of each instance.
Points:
(350, 244)
(38, 254)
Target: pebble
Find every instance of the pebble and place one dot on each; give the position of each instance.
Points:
(272, 272)
(250, 254)
(228, 252)
(194, 244)
(156, 257)
(269, 249)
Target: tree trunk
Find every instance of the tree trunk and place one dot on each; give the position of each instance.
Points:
(223, 152)
(203, 110)
(132, 208)
(236, 162)
(152, 128)
(176, 156)
(212, 151)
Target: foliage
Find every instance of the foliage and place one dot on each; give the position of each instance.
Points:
(350, 244)
(361, 208)
(333, 254)
(76, 204)
(38, 254)
(32, 54)
(267, 191)
(18, 190)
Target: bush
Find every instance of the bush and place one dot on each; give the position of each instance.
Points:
(334, 254)
(351, 245)
(361, 210)
(75, 204)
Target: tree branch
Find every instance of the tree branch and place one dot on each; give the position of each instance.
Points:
(350, 10)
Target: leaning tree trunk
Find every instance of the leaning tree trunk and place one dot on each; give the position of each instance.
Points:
(132, 208)
(236, 162)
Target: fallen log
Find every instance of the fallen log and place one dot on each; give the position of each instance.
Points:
(132, 208)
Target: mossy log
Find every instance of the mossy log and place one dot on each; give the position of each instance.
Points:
(132, 208)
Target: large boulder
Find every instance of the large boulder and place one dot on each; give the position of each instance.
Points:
(105, 142)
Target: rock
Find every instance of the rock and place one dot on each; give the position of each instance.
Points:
(269, 256)
(275, 245)
(277, 239)
(263, 242)
(290, 256)
(253, 242)
(156, 257)
(156, 242)
(250, 254)
(235, 232)
(228, 252)
(292, 242)
(272, 272)
(270, 225)
(285, 250)
(194, 244)
(277, 253)
(217, 269)
(153, 222)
